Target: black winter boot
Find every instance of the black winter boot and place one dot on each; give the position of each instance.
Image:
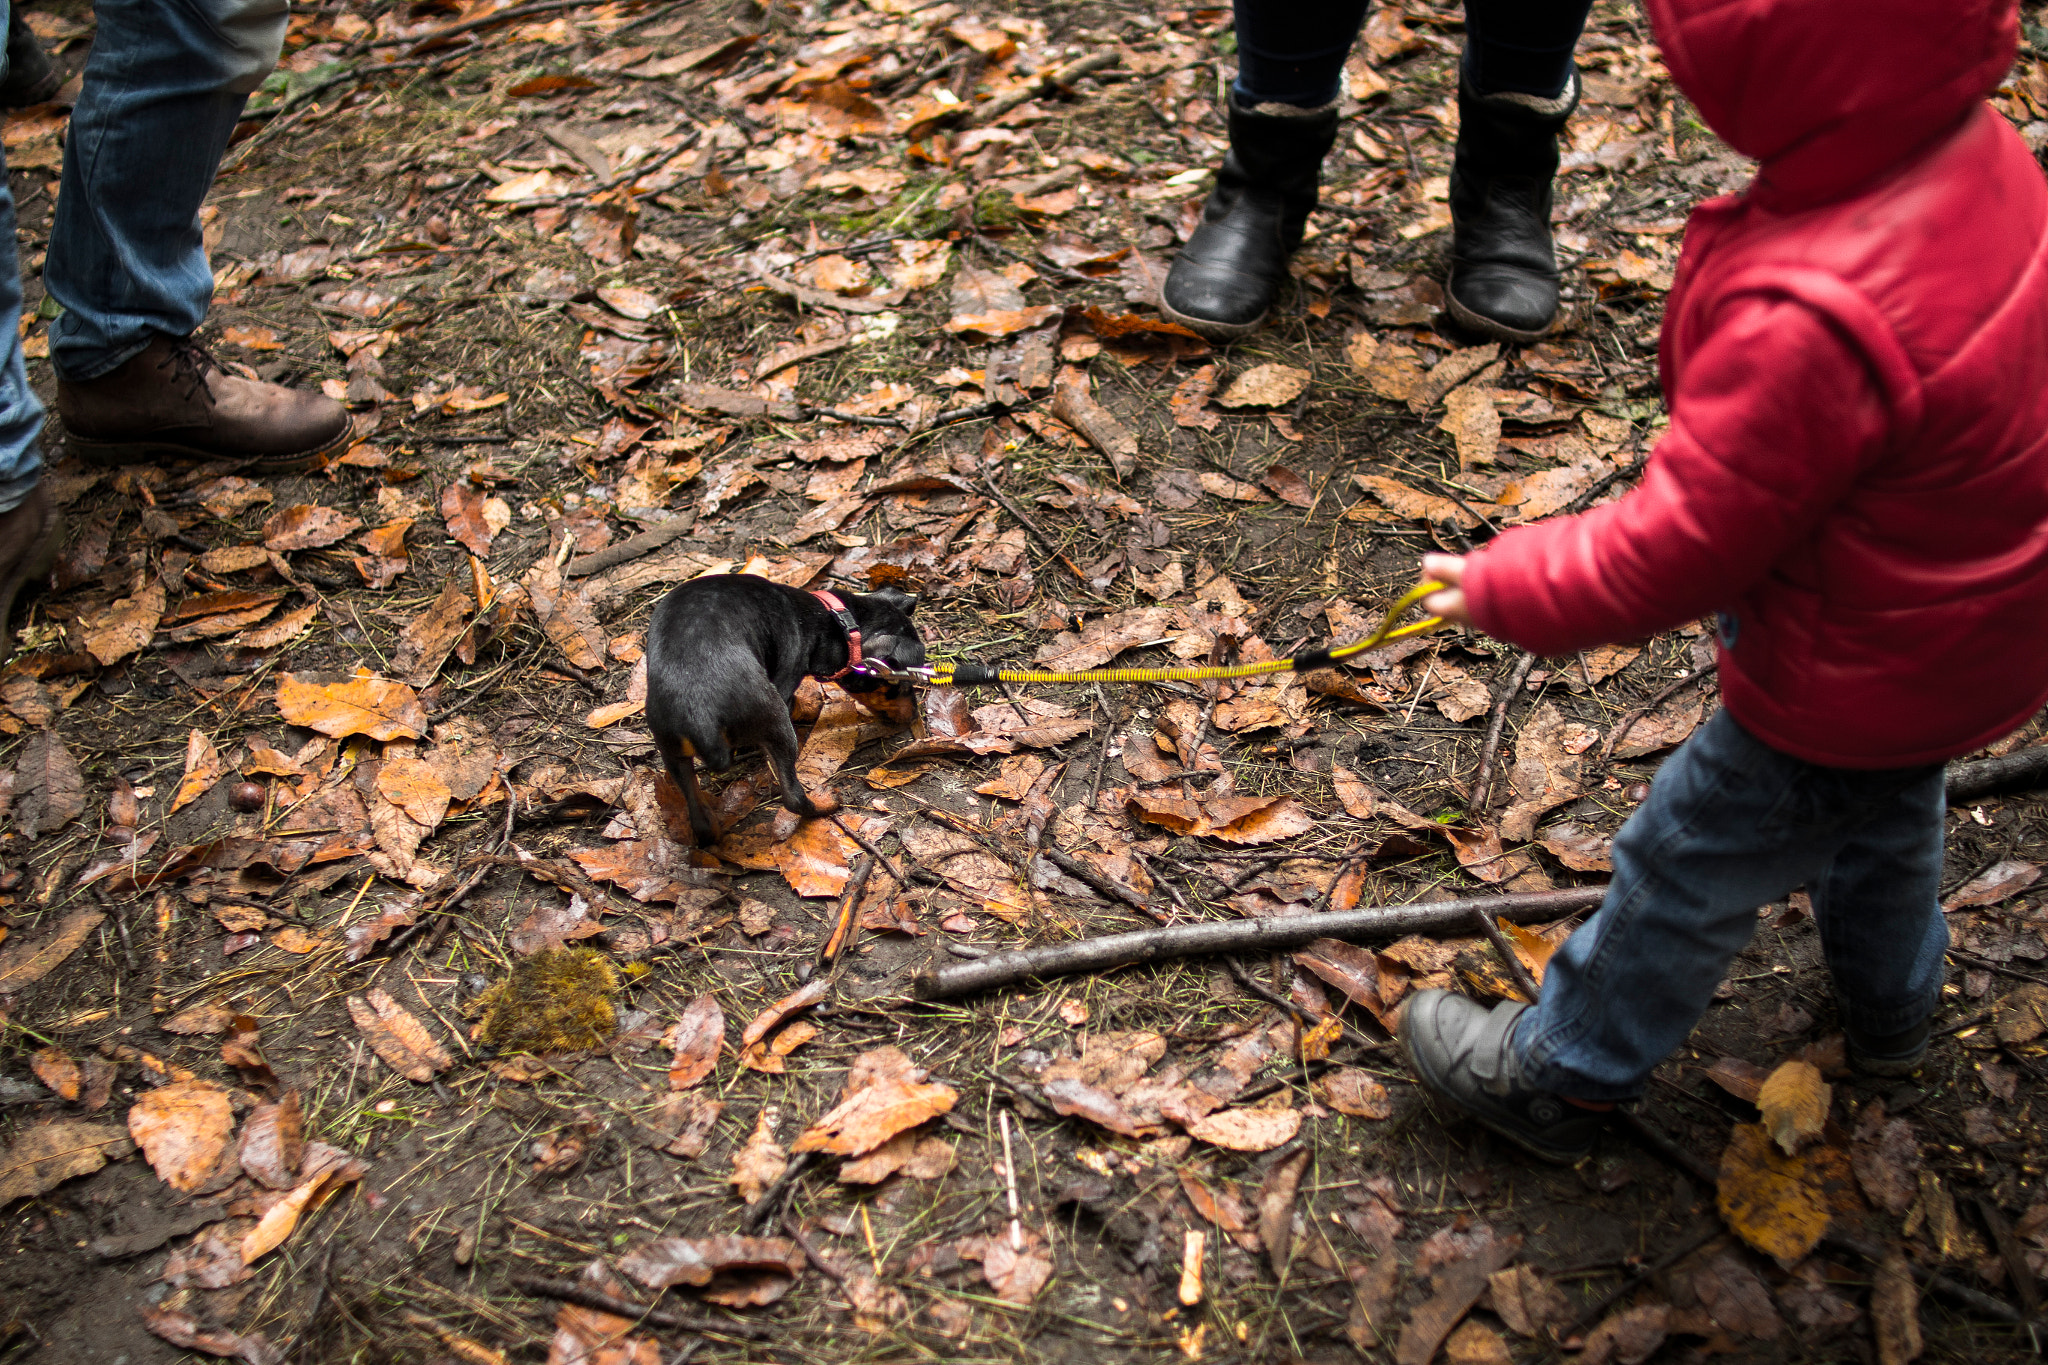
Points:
(30, 79)
(1503, 270)
(1225, 278)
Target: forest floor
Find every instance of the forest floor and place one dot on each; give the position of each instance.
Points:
(364, 1001)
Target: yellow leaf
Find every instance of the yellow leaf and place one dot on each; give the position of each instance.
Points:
(1773, 1201)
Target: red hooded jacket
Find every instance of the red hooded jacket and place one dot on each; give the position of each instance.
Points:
(1855, 360)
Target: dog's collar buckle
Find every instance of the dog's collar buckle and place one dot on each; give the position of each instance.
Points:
(849, 625)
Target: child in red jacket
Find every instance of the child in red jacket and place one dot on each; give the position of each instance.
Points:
(1855, 359)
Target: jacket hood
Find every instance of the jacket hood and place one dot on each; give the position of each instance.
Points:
(1828, 94)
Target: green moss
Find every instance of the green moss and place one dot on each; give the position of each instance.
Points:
(558, 1000)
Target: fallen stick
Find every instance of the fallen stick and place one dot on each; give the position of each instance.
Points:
(583, 1296)
(632, 547)
(981, 115)
(1242, 936)
(2019, 771)
(1482, 779)
(1664, 694)
(1101, 883)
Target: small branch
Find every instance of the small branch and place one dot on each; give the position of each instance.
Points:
(1596, 1311)
(1109, 730)
(1241, 936)
(981, 115)
(1107, 886)
(1986, 964)
(1045, 542)
(849, 901)
(632, 547)
(1482, 779)
(1253, 986)
(1585, 499)
(1663, 694)
(815, 1256)
(768, 1208)
(2019, 771)
(1524, 981)
(568, 1291)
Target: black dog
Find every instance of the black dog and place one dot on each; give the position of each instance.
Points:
(725, 655)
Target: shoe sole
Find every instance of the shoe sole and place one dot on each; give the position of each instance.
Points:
(1213, 331)
(1890, 1069)
(109, 453)
(1486, 326)
(1555, 1156)
(35, 566)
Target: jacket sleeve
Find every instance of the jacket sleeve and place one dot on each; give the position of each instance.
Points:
(1773, 419)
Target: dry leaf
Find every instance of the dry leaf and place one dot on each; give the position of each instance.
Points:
(126, 626)
(699, 1261)
(1233, 819)
(202, 770)
(327, 1171)
(272, 1142)
(1357, 1093)
(1895, 1310)
(589, 1336)
(2020, 1018)
(697, 1039)
(307, 527)
(1546, 774)
(1773, 1201)
(361, 705)
(473, 519)
(46, 1155)
(182, 1129)
(49, 792)
(568, 616)
(761, 1162)
(1276, 1210)
(1264, 386)
(798, 1000)
(1189, 403)
(878, 1111)
(1247, 1130)
(1886, 1158)
(2000, 882)
(1794, 1101)
(398, 1037)
(182, 1329)
(23, 963)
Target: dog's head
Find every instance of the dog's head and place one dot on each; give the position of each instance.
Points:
(887, 635)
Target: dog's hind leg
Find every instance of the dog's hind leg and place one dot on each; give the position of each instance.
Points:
(778, 741)
(676, 756)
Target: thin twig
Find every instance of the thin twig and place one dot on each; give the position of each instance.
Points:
(1986, 964)
(1109, 731)
(1524, 982)
(1596, 1311)
(583, 1296)
(1104, 884)
(1242, 975)
(1010, 1184)
(1482, 778)
(1045, 542)
(849, 901)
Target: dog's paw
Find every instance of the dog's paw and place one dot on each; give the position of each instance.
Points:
(821, 801)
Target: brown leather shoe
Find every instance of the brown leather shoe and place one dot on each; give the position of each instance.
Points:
(28, 543)
(175, 400)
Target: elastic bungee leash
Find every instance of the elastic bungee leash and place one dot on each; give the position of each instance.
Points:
(956, 673)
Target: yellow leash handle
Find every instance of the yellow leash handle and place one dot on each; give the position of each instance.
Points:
(967, 675)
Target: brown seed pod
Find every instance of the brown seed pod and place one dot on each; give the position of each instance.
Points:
(246, 796)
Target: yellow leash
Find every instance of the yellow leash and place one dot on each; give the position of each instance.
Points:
(957, 674)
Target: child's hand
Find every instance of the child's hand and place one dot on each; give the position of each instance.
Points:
(1450, 603)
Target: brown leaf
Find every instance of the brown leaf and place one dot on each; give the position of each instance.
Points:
(768, 1055)
(202, 770)
(1895, 1310)
(682, 1124)
(1264, 386)
(327, 1170)
(283, 630)
(1794, 1101)
(126, 626)
(1528, 1302)
(425, 642)
(816, 859)
(361, 705)
(1247, 1130)
(697, 1039)
(920, 1158)
(470, 518)
(1189, 403)
(664, 1261)
(1074, 1097)
(568, 617)
(200, 1019)
(1352, 970)
(1474, 1343)
(2000, 882)
(1357, 1093)
(1276, 1210)
(1473, 421)
(397, 1036)
(1457, 1287)
(1886, 1158)
(1668, 725)
(1072, 404)
(1412, 503)
(415, 787)
(871, 1115)
(55, 1068)
(307, 527)
(761, 1162)
(1016, 1276)
(2021, 1017)
(1628, 1337)
(797, 1001)
(1579, 848)
(1480, 853)
(1773, 1201)
(1235, 490)
(1545, 773)
(1233, 819)
(49, 790)
(1288, 486)
(47, 1154)
(1735, 1298)
(182, 1329)
(23, 963)
(273, 1141)
(182, 1129)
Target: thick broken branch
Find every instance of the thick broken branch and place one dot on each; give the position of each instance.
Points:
(1243, 936)
(2014, 772)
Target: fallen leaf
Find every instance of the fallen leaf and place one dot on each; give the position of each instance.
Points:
(1002, 322)
(568, 616)
(816, 859)
(307, 527)
(920, 1158)
(1247, 1130)
(1412, 503)
(1794, 1101)
(1545, 773)
(272, 1142)
(1233, 819)
(697, 1039)
(126, 626)
(797, 1001)
(473, 519)
(1473, 422)
(2000, 882)
(1457, 1285)
(1735, 1298)
(1885, 1156)
(589, 1336)
(682, 1124)
(1016, 1276)
(1276, 1210)
(397, 1036)
(183, 1330)
(327, 1171)
(1190, 402)
(48, 1154)
(1773, 1201)
(869, 1116)
(1288, 486)
(1474, 1343)
(1236, 490)
(415, 787)
(55, 1068)
(768, 1055)
(202, 770)
(182, 1129)
(737, 1270)
(23, 963)
(1528, 1302)
(2020, 1018)
(1628, 1337)
(1895, 1310)
(1357, 1093)
(1264, 386)
(761, 1162)
(361, 705)
(1668, 725)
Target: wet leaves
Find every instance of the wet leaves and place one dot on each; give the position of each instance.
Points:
(1247, 1130)
(23, 962)
(697, 1039)
(1774, 1201)
(49, 790)
(1794, 1102)
(884, 1096)
(762, 1160)
(2000, 882)
(183, 1130)
(734, 1271)
(45, 1155)
(360, 705)
(1232, 819)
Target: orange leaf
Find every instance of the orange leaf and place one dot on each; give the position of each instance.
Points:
(182, 1129)
(898, 1097)
(762, 1161)
(202, 770)
(399, 1038)
(798, 1000)
(1247, 1130)
(697, 1038)
(362, 705)
(815, 860)
(307, 527)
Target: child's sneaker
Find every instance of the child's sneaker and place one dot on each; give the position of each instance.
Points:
(1459, 1051)
(1889, 1054)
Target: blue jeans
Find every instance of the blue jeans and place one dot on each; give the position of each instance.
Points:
(163, 89)
(1730, 825)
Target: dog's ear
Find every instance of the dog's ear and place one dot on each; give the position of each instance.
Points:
(897, 598)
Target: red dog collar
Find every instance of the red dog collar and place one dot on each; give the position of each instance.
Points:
(849, 625)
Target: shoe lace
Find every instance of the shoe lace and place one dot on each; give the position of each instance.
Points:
(189, 361)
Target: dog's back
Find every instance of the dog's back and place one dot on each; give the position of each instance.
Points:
(717, 650)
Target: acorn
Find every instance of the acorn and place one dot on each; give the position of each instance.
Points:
(246, 796)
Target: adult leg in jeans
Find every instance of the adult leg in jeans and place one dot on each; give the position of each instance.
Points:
(1283, 122)
(163, 89)
(28, 523)
(1731, 824)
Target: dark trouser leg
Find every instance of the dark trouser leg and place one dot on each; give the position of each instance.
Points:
(1515, 90)
(1294, 53)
